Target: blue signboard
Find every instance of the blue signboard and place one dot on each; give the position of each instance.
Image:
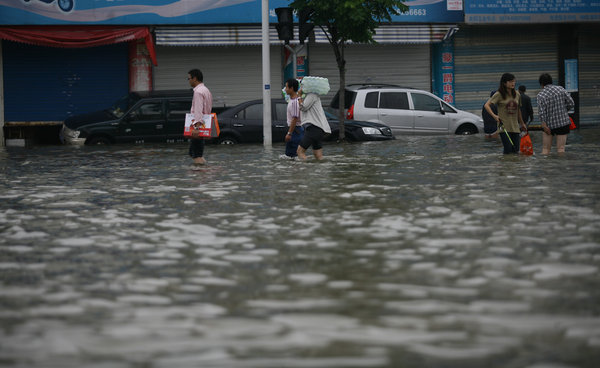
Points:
(443, 71)
(432, 11)
(182, 12)
(531, 11)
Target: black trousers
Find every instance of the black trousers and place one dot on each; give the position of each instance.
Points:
(196, 147)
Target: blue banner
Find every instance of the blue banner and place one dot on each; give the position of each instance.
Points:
(531, 11)
(183, 12)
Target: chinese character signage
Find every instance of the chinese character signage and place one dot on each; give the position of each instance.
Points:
(443, 71)
(531, 11)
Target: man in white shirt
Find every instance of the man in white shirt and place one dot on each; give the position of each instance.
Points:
(295, 130)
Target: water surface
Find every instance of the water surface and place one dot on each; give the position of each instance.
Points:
(420, 252)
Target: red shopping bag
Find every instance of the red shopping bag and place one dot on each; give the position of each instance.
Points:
(526, 145)
(572, 126)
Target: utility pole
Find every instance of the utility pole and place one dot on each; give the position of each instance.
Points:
(266, 75)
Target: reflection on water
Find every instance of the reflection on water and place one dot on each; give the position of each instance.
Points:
(421, 252)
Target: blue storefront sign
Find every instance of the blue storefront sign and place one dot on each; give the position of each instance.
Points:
(443, 71)
(531, 11)
(181, 12)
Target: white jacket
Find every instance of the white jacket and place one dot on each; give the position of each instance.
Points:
(311, 111)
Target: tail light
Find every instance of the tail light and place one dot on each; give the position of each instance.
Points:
(350, 113)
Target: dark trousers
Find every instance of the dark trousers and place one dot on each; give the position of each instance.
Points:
(291, 147)
(510, 147)
(196, 147)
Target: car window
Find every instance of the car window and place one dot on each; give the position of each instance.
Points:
(147, 111)
(178, 109)
(394, 100)
(124, 104)
(281, 111)
(252, 112)
(425, 102)
(349, 97)
(448, 108)
(371, 100)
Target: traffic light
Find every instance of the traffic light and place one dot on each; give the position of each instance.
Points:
(285, 24)
(304, 28)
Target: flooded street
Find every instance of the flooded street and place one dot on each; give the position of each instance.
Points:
(419, 252)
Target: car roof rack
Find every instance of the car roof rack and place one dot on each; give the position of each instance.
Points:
(377, 85)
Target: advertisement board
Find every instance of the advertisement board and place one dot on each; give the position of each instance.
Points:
(184, 12)
(531, 11)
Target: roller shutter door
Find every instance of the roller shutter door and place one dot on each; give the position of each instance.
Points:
(402, 64)
(233, 74)
(483, 53)
(50, 84)
(589, 74)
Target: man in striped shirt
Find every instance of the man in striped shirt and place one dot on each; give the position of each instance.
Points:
(295, 130)
(554, 102)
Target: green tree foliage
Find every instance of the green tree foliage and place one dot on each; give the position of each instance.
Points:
(348, 20)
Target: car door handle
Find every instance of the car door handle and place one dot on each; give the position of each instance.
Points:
(238, 125)
(383, 114)
(159, 126)
(280, 126)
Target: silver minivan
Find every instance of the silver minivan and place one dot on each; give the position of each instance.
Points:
(406, 110)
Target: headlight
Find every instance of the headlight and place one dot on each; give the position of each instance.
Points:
(371, 131)
(69, 133)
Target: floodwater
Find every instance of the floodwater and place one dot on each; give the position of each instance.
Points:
(419, 252)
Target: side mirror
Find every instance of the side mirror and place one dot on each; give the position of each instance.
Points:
(442, 110)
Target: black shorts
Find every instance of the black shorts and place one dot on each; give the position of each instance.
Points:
(313, 135)
(561, 131)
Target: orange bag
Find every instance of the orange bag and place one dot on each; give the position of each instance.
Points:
(208, 130)
(572, 126)
(526, 145)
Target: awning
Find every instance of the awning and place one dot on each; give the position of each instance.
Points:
(76, 37)
(252, 35)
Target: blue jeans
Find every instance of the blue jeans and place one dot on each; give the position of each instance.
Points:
(292, 146)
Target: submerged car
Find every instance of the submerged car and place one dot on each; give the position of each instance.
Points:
(154, 116)
(244, 124)
(406, 110)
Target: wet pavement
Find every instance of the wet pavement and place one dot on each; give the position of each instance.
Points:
(420, 252)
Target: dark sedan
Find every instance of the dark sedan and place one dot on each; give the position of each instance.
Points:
(244, 124)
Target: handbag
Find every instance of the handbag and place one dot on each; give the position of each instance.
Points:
(209, 127)
(526, 144)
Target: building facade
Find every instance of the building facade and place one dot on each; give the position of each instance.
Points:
(58, 62)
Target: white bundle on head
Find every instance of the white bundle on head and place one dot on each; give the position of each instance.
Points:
(318, 85)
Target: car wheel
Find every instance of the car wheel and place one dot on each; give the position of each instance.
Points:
(98, 141)
(227, 140)
(466, 129)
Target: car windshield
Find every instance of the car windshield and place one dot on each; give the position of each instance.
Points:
(123, 105)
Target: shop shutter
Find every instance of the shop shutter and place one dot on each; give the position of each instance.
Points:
(233, 74)
(483, 53)
(402, 64)
(50, 84)
(589, 75)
